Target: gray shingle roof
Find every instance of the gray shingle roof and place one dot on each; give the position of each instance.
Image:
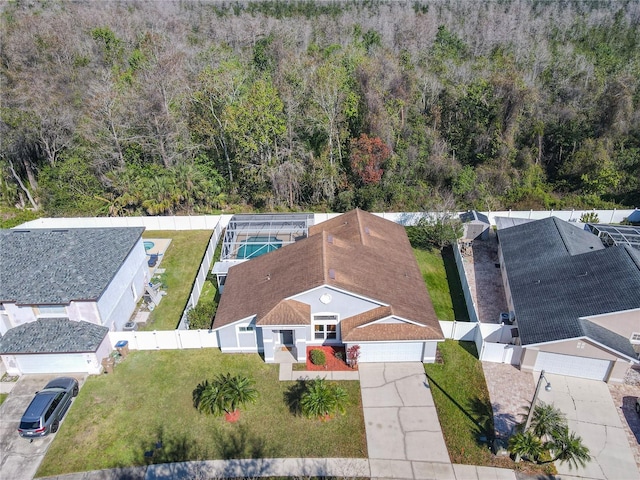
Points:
(558, 273)
(43, 266)
(474, 215)
(53, 335)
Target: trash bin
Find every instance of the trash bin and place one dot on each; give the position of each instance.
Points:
(107, 364)
(123, 347)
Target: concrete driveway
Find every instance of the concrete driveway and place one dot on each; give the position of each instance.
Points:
(404, 437)
(20, 458)
(592, 414)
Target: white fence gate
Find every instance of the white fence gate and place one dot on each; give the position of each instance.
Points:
(493, 341)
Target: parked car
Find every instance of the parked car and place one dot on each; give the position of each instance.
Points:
(44, 413)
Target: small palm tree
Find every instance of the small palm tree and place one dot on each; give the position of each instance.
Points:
(224, 395)
(527, 445)
(547, 420)
(322, 399)
(568, 447)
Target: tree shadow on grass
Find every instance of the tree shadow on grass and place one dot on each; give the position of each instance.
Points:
(293, 394)
(460, 311)
(478, 412)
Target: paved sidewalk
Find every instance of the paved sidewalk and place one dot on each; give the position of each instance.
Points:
(287, 374)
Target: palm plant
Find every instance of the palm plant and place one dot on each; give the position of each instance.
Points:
(526, 445)
(547, 420)
(224, 395)
(322, 399)
(568, 447)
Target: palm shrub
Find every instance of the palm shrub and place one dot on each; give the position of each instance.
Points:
(567, 447)
(549, 432)
(526, 445)
(322, 399)
(225, 394)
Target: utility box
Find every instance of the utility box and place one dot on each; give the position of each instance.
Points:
(123, 348)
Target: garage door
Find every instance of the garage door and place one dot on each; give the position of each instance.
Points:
(573, 366)
(391, 352)
(67, 363)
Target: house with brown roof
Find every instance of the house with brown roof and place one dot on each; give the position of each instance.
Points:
(353, 281)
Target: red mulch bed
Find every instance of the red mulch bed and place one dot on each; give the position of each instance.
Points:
(333, 363)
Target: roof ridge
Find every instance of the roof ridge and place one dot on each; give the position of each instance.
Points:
(555, 220)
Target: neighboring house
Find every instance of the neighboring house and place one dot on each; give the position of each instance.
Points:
(353, 280)
(55, 284)
(576, 303)
(475, 225)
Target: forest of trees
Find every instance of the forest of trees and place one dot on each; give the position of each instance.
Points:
(159, 107)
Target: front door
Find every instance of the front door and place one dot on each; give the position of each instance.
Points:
(286, 338)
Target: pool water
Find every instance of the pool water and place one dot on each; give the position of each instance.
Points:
(148, 245)
(255, 246)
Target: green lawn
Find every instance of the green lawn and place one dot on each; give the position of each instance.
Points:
(441, 276)
(181, 262)
(116, 418)
(3, 397)
(462, 401)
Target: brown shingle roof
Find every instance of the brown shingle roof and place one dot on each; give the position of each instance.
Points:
(287, 312)
(358, 252)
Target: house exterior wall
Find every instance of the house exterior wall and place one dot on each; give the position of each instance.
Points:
(622, 323)
(505, 281)
(118, 301)
(232, 340)
(84, 311)
(429, 355)
(619, 371)
(578, 348)
(342, 303)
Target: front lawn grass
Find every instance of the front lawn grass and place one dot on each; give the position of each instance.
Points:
(118, 417)
(463, 404)
(181, 262)
(441, 276)
(3, 397)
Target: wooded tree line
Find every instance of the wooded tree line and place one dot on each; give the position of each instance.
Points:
(120, 108)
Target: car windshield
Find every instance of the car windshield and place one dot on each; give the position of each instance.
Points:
(29, 425)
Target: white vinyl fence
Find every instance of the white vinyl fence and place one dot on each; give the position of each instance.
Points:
(468, 298)
(203, 271)
(493, 341)
(209, 222)
(166, 339)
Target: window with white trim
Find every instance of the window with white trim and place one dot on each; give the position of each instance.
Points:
(325, 327)
(635, 338)
(245, 329)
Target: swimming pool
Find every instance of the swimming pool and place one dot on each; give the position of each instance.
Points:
(255, 246)
(148, 245)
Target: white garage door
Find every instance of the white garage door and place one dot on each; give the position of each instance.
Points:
(391, 352)
(573, 366)
(59, 363)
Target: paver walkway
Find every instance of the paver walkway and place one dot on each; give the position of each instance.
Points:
(510, 390)
(485, 279)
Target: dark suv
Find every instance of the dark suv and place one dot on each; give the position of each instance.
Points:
(47, 408)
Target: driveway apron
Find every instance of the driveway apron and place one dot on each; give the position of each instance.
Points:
(19, 457)
(592, 415)
(404, 437)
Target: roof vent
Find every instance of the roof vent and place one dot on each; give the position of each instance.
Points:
(332, 274)
(582, 274)
(367, 231)
(330, 238)
(268, 276)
